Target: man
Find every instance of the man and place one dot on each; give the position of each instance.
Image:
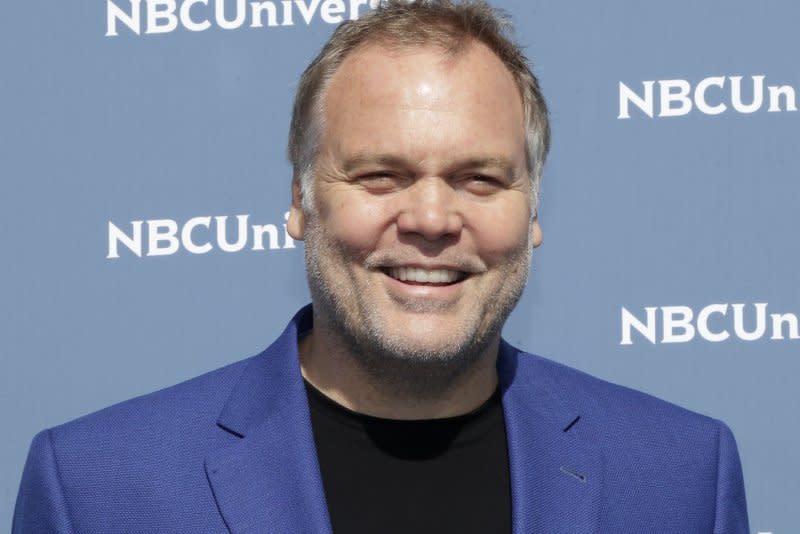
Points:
(392, 404)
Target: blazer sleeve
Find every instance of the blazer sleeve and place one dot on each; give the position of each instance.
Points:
(41, 506)
(731, 507)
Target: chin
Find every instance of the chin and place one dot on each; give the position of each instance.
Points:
(415, 368)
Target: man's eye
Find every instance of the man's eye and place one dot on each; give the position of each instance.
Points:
(379, 181)
(481, 184)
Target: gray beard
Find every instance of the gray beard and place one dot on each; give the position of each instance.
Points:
(400, 371)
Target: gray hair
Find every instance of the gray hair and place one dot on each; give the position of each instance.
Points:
(441, 23)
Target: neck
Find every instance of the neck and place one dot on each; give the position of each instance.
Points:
(328, 365)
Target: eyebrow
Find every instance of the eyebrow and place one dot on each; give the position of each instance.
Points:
(389, 160)
(361, 160)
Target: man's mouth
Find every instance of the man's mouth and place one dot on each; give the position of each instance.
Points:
(416, 275)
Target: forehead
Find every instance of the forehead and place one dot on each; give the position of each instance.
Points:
(373, 69)
(385, 91)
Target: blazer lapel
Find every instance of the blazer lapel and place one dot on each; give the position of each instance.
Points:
(556, 477)
(268, 480)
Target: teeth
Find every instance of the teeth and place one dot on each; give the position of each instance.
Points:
(424, 276)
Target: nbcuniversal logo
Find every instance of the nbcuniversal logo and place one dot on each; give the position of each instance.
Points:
(166, 16)
(197, 235)
(714, 323)
(710, 96)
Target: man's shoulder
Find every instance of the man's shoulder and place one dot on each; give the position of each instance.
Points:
(656, 457)
(193, 414)
(617, 407)
(130, 456)
(175, 410)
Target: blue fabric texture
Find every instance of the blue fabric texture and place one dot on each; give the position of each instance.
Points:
(233, 451)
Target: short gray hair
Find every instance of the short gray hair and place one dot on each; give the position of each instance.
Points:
(441, 23)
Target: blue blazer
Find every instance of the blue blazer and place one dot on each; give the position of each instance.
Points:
(233, 451)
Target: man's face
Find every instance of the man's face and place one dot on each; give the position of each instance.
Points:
(419, 242)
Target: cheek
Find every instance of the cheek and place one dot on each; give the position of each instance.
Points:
(355, 220)
(502, 232)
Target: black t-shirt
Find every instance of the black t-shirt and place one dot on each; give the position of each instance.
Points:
(413, 477)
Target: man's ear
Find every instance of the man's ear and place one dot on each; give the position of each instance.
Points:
(296, 223)
(536, 232)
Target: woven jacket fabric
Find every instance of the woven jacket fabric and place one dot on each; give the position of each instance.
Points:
(233, 451)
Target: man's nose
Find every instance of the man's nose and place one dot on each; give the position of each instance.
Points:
(431, 210)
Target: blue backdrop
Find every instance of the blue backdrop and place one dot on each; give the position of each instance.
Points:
(137, 136)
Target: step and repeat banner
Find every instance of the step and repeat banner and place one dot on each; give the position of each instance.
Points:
(145, 188)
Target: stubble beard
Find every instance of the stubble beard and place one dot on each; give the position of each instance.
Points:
(395, 364)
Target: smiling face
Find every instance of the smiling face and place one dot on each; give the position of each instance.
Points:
(418, 244)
